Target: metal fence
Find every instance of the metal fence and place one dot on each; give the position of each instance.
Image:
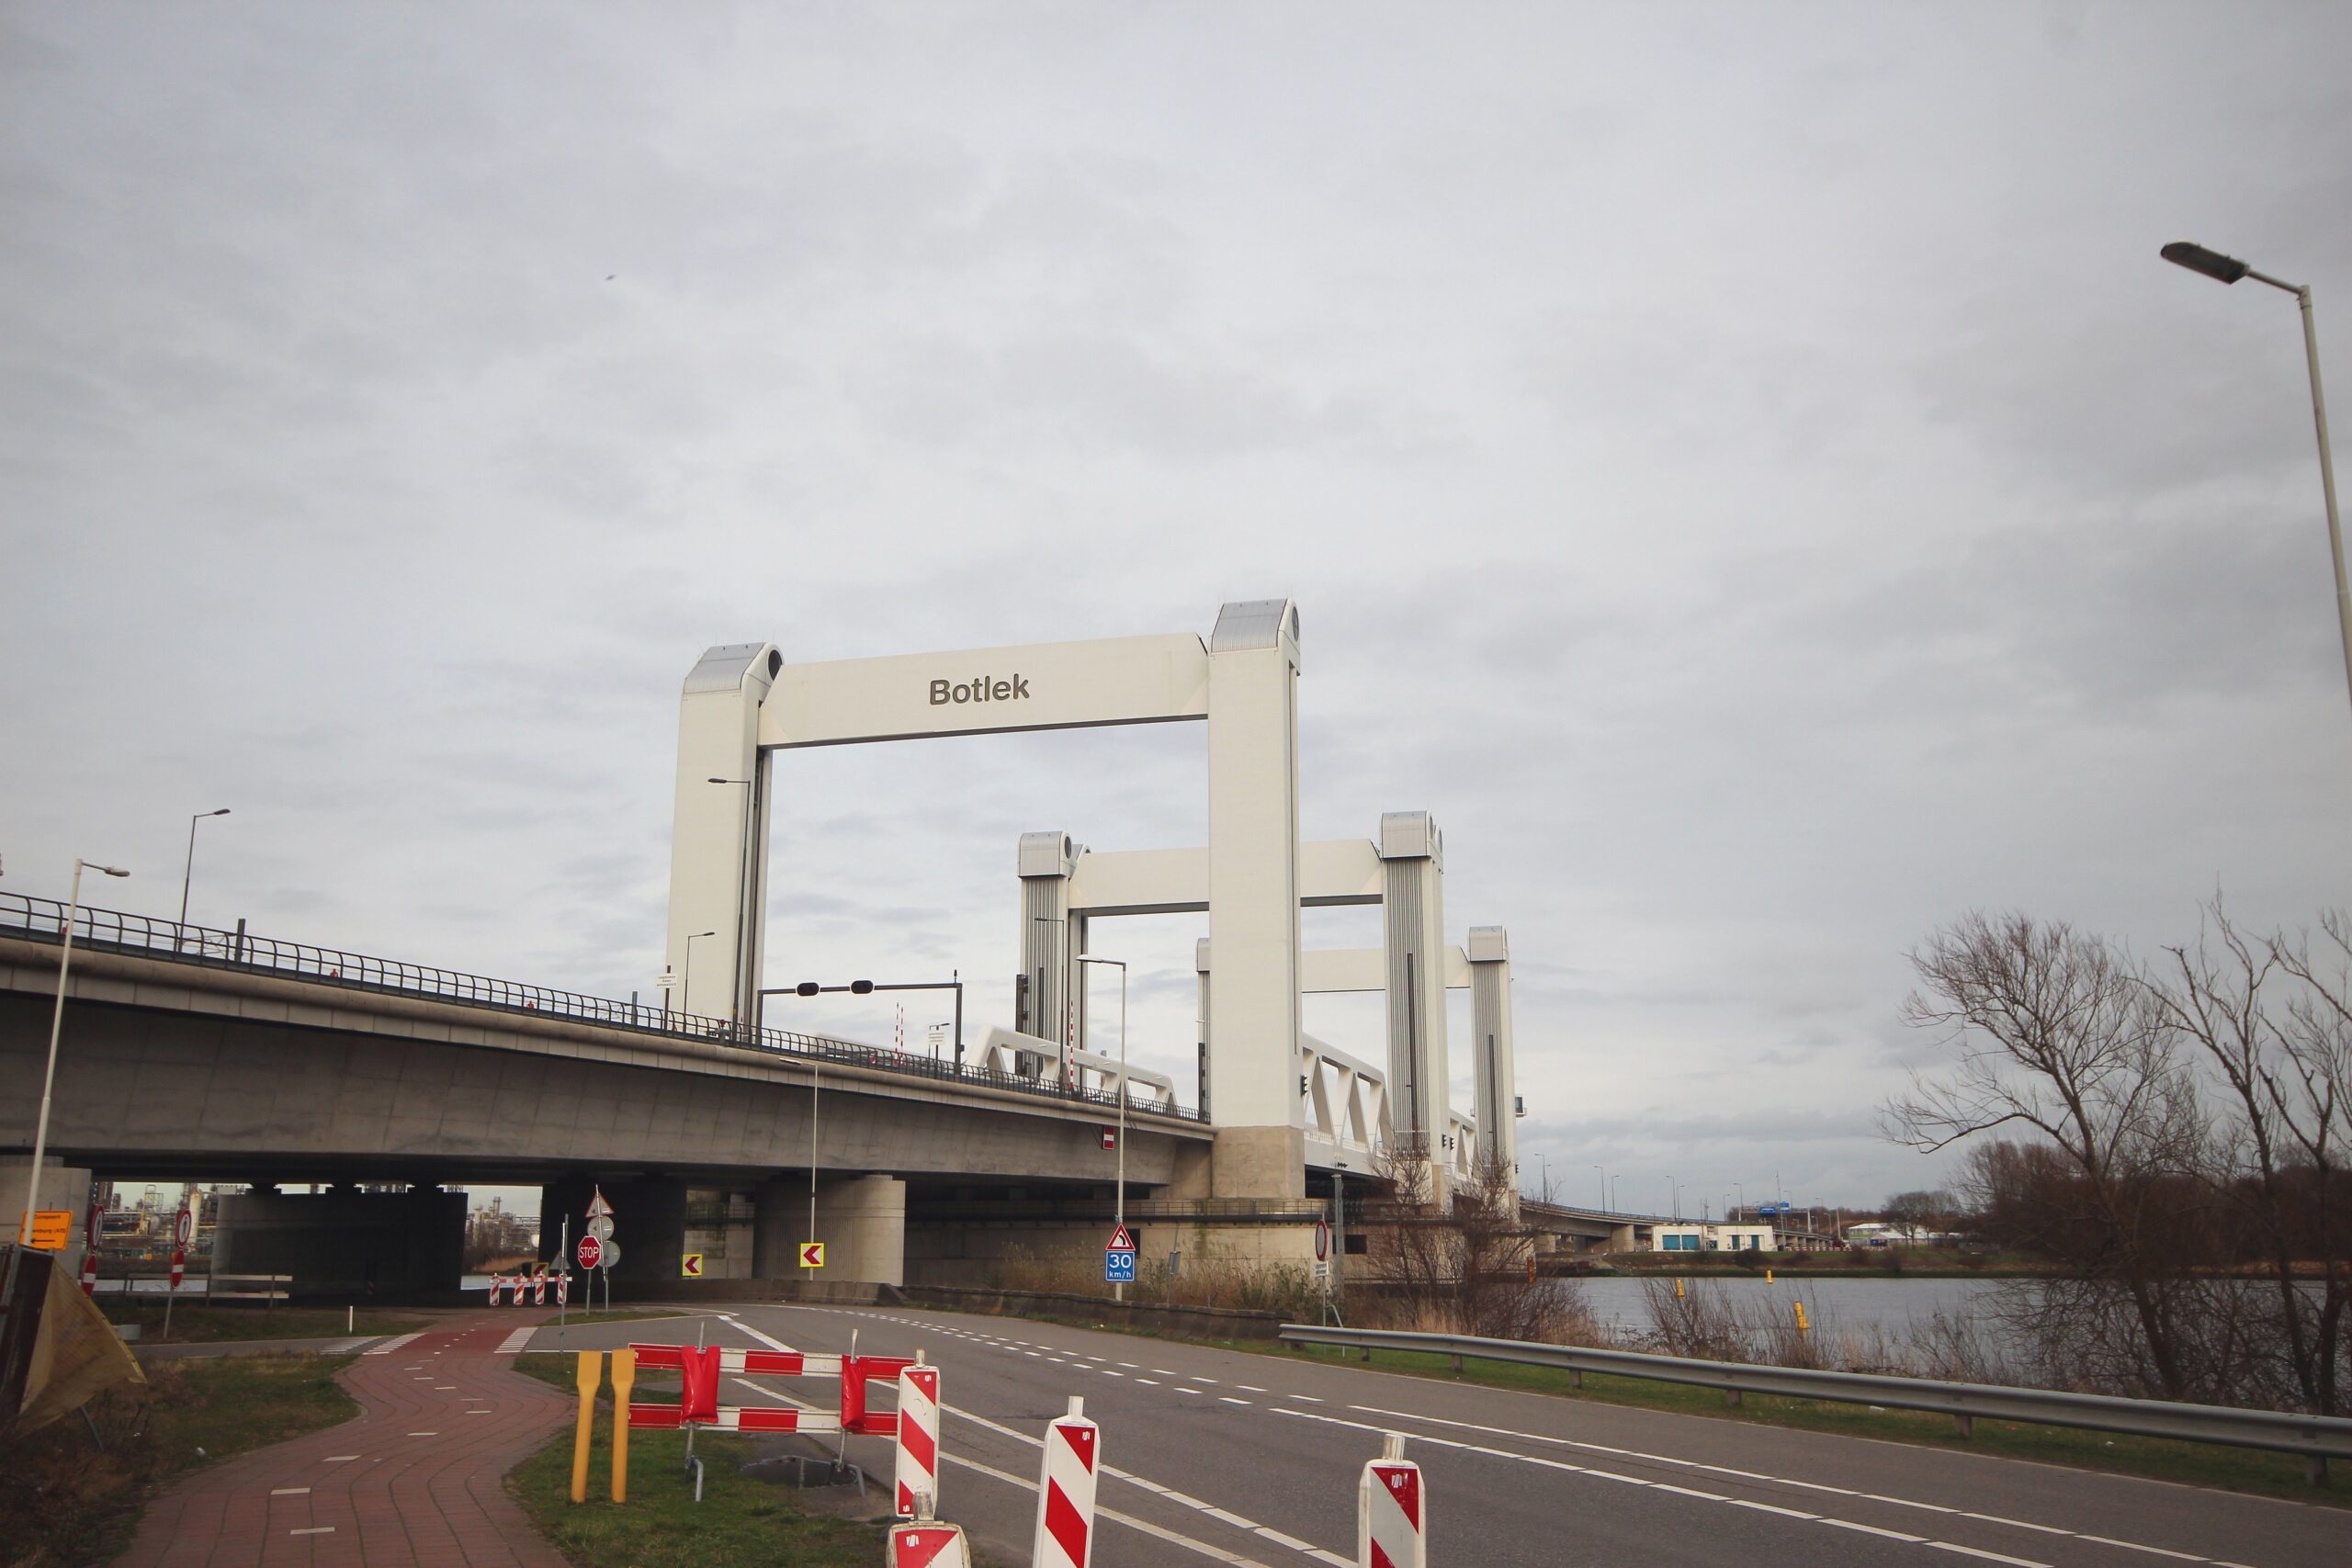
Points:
(2317, 1438)
(111, 930)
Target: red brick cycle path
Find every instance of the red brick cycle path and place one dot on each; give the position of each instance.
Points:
(417, 1478)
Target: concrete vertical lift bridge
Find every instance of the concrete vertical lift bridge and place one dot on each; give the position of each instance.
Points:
(743, 702)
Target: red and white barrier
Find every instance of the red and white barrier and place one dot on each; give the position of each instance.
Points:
(1392, 1515)
(1064, 1534)
(539, 1289)
(916, 1473)
(928, 1545)
(563, 1289)
(700, 1369)
(497, 1288)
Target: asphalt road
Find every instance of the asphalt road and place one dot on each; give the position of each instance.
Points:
(1212, 1456)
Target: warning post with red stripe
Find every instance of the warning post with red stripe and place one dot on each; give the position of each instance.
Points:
(1064, 1534)
(1392, 1515)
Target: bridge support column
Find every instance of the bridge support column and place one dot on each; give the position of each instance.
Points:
(718, 845)
(862, 1221)
(346, 1242)
(1051, 938)
(63, 1187)
(1413, 902)
(1253, 901)
(1495, 1085)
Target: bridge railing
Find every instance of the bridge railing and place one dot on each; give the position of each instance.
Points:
(114, 930)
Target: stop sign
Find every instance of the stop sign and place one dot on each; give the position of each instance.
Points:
(592, 1252)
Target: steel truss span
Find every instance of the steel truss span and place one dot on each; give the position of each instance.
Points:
(112, 930)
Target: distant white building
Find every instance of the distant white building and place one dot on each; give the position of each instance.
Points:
(1695, 1236)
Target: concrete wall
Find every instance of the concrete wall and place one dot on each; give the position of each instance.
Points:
(344, 1242)
(977, 1254)
(63, 1187)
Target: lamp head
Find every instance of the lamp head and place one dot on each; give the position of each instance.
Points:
(222, 812)
(2212, 263)
(112, 872)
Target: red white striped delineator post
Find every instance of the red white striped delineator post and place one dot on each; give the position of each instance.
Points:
(539, 1289)
(916, 1473)
(1065, 1535)
(927, 1543)
(1392, 1513)
(563, 1289)
(497, 1288)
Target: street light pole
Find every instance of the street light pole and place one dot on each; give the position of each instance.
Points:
(1119, 1292)
(2229, 269)
(687, 980)
(56, 1030)
(188, 872)
(1604, 1188)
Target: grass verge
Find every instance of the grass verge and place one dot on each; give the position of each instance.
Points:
(70, 1505)
(740, 1519)
(2190, 1464)
(192, 1323)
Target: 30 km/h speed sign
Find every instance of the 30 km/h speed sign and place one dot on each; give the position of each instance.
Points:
(591, 1250)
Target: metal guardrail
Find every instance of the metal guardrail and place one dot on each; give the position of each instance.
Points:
(2317, 1438)
(112, 930)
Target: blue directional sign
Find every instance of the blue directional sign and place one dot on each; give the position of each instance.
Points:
(1118, 1268)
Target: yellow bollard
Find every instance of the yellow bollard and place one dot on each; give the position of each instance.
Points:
(624, 1379)
(1678, 1286)
(1803, 1327)
(592, 1374)
(1768, 1276)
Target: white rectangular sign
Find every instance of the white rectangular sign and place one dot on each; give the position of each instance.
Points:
(1128, 679)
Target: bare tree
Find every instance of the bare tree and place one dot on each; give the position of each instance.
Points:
(2055, 1035)
(1463, 1268)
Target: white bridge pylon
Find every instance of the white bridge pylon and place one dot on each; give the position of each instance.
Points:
(743, 701)
(1350, 1110)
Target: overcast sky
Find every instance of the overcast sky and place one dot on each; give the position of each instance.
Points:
(1744, 468)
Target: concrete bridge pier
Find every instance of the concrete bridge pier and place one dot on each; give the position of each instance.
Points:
(344, 1242)
(63, 1187)
(861, 1220)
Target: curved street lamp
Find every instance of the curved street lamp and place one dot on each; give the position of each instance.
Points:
(1119, 1292)
(188, 871)
(56, 1029)
(2229, 269)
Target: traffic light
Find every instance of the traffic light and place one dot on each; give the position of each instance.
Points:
(861, 987)
(806, 989)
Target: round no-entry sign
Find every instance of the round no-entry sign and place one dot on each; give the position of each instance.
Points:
(592, 1252)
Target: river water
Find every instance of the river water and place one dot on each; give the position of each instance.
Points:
(1856, 1306)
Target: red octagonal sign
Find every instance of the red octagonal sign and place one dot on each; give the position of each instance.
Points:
(592, 1252)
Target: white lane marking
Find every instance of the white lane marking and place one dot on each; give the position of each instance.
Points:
(425, 1434)
(2155, 1551)
(1308, 1397)
(1228, 1399)
(477, 1413)
(1249, 1387)
(445, 1388)
(1988, 1556)
(1163, 1372)
(1634, 1480)
(1188, 1390)
(1215, 1554)
(1109, 1373)
(340, 1459)
(1167, 1493)
(1153, 1381)
(514, 1343)
(389, 1346)
(1874, 1530)
(769, 1340)
(1779, 1481)
(1129, 1365)
(287, 1491)
(314, 1530)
